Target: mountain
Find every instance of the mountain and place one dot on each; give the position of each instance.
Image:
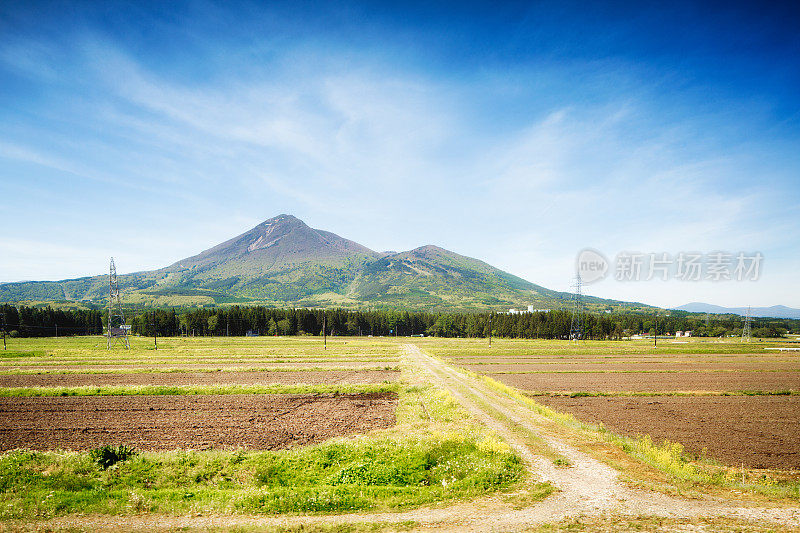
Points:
(775, 311)
(284, 262)
(276, 243)
(430, 276)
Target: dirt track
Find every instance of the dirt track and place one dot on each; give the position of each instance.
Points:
(259, 421)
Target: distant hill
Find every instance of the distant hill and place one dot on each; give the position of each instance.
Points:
(775, 311)
(284, 262)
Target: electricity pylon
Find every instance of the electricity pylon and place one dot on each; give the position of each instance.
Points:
(117, 332)
(576, 328)
(746, 328)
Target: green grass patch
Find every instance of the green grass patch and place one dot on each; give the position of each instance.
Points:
(789, 392)
(17, 354)
(178, 390)
(648, 394)
(344, 475)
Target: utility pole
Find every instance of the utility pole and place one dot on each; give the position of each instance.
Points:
(227, 325)
(490, 329)
(155, 331)
(324, 333)
(4, 333)
(655, 332)
(56, 331)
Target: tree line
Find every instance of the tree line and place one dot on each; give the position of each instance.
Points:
(26, 321)
(258, 320)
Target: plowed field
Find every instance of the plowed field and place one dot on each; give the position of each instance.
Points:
(259, 421)
(653, 382)
(761, 432)
(195, 366)
(758, 430)
(653, 366)
(197, 378)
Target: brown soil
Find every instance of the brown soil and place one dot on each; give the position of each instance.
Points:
(654, 356)
(196, 366)
(655, 382)
(198, 378)
(268, 421)
(759, 432)
(655, 366)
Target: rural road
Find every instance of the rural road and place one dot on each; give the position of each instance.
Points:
(586, 488)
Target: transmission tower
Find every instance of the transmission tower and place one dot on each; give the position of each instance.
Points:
(117, 332)
(576, 328)
(746, 328)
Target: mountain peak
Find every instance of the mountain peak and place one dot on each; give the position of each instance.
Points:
(271, 230)
(430, 248)
(274, 243)
(283, 218)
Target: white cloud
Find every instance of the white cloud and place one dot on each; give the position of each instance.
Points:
(391, 158)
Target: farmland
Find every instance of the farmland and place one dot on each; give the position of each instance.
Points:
(158, 422)
(526, 431)
(243, 407)
(74, 394)
(734, 403)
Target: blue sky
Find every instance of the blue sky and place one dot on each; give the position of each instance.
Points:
(518, 134)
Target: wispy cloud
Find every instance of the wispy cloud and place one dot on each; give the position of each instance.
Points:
(521, 165)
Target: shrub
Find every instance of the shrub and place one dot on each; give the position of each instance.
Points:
(108, 455)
